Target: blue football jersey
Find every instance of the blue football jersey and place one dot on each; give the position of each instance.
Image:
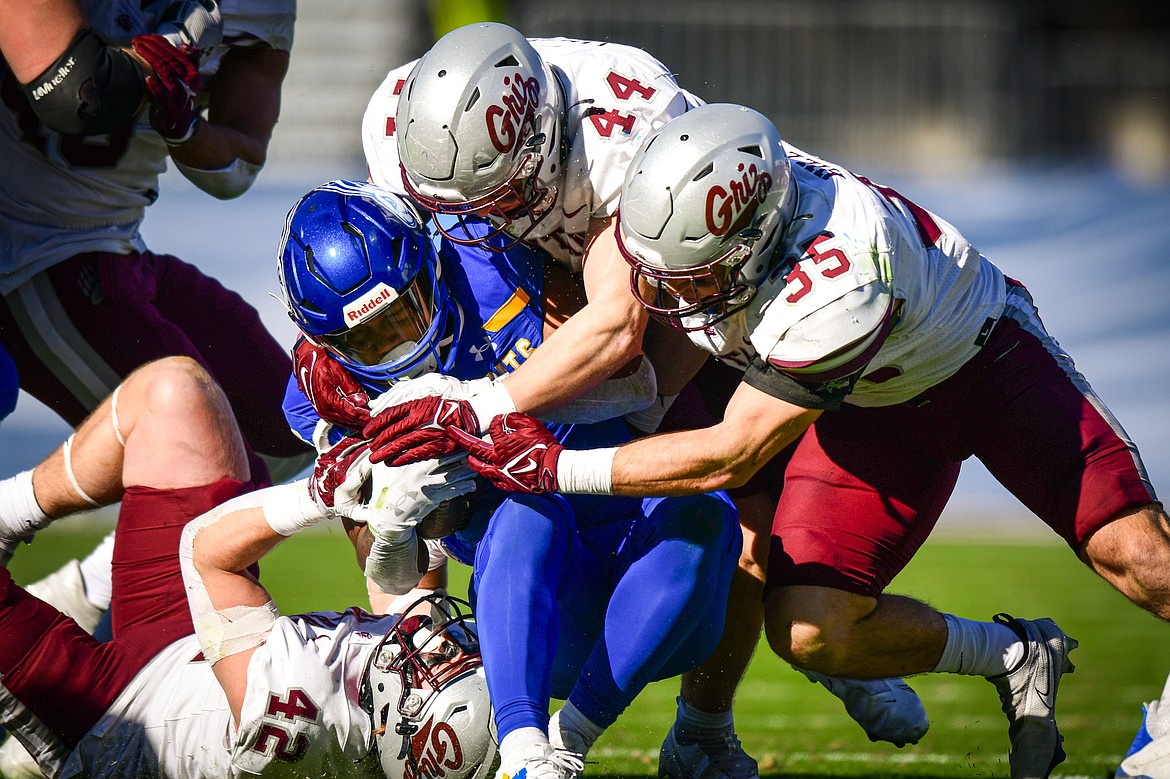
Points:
(500, 295)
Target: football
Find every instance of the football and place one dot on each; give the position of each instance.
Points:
(449, 517)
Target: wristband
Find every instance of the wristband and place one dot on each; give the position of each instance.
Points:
(288, 508)
(588, 472)
(491, 403)
(191, 130)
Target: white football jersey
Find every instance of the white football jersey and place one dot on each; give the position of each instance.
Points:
(868, 279)
(301, 714)
(61, 196)
(615, 97)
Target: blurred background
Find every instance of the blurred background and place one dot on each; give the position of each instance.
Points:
(1041, 128)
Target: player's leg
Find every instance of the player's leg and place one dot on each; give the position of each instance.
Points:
(519, 565)
(887, 709)
(665, 614)
(862, 492)
(78, 328)
(1060, 450)
(253, 378)
(168, 448)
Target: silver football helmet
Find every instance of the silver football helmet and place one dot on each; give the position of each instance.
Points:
(432, 717)
(479, 133)
(702, 210)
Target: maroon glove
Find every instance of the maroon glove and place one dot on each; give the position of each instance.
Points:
(522, 456)
(173, 86)
(417, 429)
(335, 394)
(331, 467)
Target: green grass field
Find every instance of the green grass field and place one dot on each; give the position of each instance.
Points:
(797, 729)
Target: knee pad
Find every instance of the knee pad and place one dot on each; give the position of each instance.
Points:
(91, 89)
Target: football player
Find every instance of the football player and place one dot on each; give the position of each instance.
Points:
(84, 301)
(204, 677)
(75, 82)
(870, 325)
(536, 136)
(585, 600)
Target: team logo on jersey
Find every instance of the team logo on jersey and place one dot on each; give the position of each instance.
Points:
(730, 208)
(436, 751)
(504, 119)
(361, 310)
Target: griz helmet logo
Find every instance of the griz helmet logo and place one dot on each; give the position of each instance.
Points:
(518, 106)
(436, 750)
(730, 209)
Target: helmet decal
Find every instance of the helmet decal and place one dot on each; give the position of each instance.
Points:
(731, 208)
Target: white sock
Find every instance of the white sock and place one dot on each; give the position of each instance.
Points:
(20, 514)
(586, 729)
(979, 648)
(692, 724)
(97, 573)
(522, 741)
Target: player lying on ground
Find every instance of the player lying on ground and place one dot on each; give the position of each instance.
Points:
(584, 599)
(879, 350)
(322, 694)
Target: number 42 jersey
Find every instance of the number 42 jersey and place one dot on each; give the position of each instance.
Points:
(302, 714)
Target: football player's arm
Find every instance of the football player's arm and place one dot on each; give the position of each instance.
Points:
(226, 152)
(34, 33)
(756, 427)
(232, 612)
(604, 336)
(76, 84)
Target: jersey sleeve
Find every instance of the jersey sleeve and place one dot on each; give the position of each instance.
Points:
(302, 418)
(379, 132)
(832, 309)
(270, 21)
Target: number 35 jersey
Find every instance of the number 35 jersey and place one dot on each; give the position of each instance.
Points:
(615, 97)
(302, 713)
(872, 299)
(61, 195)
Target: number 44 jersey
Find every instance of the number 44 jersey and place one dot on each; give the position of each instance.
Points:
(615, 97)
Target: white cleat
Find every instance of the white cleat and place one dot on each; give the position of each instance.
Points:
(1028, 696)
(542, 761)
(717, 757)
(566, 740)
(886, 709)
(1149, 756)
(64, 589)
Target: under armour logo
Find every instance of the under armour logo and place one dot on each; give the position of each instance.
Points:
(477, 351)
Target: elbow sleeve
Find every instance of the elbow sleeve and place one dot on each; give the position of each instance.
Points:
(91, 89)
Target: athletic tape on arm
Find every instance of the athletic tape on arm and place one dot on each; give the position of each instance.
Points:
(222, 632)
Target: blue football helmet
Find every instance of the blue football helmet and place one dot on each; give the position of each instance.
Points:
(361, 278)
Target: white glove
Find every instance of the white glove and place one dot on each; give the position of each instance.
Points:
(196, 23)
(426, 385)
(401, 496)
